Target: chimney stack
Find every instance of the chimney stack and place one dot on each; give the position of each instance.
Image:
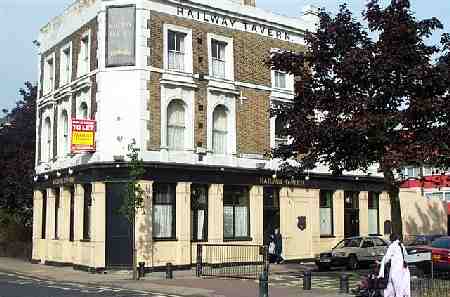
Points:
(249, 2)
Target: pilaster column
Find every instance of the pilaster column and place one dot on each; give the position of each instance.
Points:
(363, 213)
(256, 214)
(64, 214)
(37, 223)
(338, 214)
(143, 228)
(50, 224)
(183, 223)
(78, 212)
(215, 213)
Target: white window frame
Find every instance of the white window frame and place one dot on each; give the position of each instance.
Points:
(62, 150)
(187, 96)
(183, 104)
(49, 84)
(229, 56)
(289, 77)
(80, 98)
(82, 58)
(62, 67)
(229, 101)
(46, 143)
(188, 57)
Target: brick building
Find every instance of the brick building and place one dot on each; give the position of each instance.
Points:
(185, 80)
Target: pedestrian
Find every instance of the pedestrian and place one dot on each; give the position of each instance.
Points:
(278, 245)
(272, 255)
(398, 284)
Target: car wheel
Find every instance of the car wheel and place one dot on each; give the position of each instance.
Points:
(352, 262)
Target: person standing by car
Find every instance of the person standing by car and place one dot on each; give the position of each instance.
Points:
(399, 277)
(278, 246)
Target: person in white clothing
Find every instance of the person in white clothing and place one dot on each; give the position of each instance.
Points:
(399, 276)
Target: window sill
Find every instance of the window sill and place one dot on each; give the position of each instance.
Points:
(238, 239)
(165, 239)
(327, 236)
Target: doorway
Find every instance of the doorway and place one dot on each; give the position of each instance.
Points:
(351, 213)
(271, 215)
(118, 230)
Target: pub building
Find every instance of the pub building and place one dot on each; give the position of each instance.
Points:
(186, 81)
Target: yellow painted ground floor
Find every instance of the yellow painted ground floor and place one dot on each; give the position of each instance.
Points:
(76, 219)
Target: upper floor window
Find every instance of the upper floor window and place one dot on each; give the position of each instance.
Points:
(83, 58)
(220, 57)
(46, 141)
(279, 81)
(66, 65)
(64, 135)
(220, 130)
(176, 50)
(49, 75)
(84, 110)
(176, 125)
(280, 136)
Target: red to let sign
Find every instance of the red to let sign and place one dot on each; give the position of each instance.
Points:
(83, 136)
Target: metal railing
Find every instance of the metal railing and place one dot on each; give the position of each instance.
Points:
(427, 287)
(231, 261)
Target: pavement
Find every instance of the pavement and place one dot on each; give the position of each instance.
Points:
(285, 281)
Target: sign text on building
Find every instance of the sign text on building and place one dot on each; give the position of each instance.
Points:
(120, 35)
(83, 136)
(281, 181)
(231, 22)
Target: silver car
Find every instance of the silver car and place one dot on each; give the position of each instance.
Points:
(353, 252)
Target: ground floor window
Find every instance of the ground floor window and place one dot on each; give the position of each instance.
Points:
(374, 210)
(164, 198)
(44, 213)
(326, 213)
(72, 212)
(87, 206)
(236, 218)
(199, 212)
(57, 202)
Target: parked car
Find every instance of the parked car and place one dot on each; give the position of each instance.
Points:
(440, 254)
(353, 252)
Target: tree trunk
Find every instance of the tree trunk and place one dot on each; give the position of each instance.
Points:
(133, 236)
(394, 195)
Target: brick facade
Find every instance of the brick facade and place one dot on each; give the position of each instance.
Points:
(250, 52)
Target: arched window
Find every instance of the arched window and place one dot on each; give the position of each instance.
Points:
(64, 133)
(175, 125)
(220, 130)
(46, 139)
(84, 110)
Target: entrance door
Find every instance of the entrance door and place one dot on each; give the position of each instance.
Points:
(351, 214)
(118, 229)
(271, 215)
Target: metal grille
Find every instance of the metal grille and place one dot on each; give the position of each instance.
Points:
(231, 261)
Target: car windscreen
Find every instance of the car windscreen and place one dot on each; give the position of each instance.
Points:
(349, 242)
(443, 243)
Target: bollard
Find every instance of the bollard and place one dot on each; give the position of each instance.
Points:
(169, 273)
(141, 269)
(343, 284)
(307, 280)
(264, 284)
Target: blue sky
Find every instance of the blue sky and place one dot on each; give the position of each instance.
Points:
(20, 21)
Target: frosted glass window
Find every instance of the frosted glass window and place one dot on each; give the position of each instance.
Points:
(175, 125)
(220, 130)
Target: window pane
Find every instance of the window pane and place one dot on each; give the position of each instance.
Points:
(228, 221)
(171, 41)
(200, 224)
(447, 196)
(164, 193)
(176, 125)
(241, 227)
(325, 221)
(162, 221)
(373, 221)
(220, 130)
(214, 49)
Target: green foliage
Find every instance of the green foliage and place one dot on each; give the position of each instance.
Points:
(17, 156)
(134, 198)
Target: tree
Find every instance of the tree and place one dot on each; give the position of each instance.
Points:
(134, 197)
(17, 155)
(365, 96)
